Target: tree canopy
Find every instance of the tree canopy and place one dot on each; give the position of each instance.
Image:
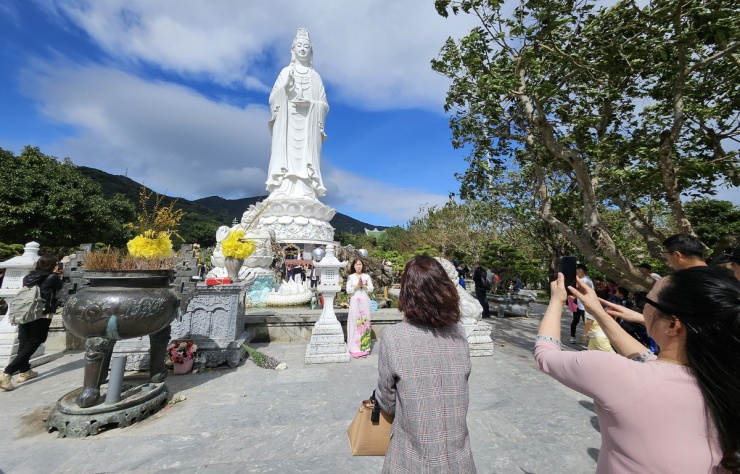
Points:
(598, 121)
(51, 202)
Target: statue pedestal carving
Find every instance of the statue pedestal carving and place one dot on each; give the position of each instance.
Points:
(293, 219)
(327, 340)
(215, 321)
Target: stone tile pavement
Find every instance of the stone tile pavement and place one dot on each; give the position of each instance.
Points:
(249, 419)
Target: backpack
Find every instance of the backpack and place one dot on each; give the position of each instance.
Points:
(27, 306)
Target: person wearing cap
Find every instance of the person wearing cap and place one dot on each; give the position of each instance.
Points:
(731, 256)
(647, 269)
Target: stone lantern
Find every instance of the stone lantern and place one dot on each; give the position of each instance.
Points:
(327, 340)
(15, 269)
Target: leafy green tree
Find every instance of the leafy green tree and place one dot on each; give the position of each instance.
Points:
(8, 251)
(392, 238)
(51, 202)
(717, 223)
(509, 262)
(358, 241)
(456, 230)
(624, 109)
(203, 233)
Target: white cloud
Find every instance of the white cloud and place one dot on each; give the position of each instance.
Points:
(181, 143)
(359, 194)
(167, 135)
(371, 54)
(375, 54)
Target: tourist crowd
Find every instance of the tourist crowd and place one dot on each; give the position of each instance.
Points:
(664, 373)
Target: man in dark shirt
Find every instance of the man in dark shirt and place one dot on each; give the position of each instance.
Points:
(481, 288)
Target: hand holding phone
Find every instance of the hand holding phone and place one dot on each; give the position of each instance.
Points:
(567, 266)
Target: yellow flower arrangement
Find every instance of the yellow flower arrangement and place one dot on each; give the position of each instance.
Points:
(154, 228)
(150, 244)
(236, 246)
(151, 249)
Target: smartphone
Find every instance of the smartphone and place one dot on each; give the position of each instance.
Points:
(567, 266)
(60, 267)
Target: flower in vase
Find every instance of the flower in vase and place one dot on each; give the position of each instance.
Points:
(236, 246)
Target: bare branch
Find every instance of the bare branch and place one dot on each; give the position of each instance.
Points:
(725, 52)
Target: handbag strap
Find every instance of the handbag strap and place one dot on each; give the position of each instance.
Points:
(375, 414)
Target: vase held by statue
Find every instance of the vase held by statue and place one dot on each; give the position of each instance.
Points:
(232, 267)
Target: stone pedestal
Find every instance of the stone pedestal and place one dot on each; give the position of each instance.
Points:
(327, 340)
(215, 321)
(478, 333)
(479, 339)
(136, 350)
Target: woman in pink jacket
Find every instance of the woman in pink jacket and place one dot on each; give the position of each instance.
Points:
(678, 412)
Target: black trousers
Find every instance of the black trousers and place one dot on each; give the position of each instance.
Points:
(30, 337)
(578, 315)
(480, 294)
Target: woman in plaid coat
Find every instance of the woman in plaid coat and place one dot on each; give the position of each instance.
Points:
(424, 366)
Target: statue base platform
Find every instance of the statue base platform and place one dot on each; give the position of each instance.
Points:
(139, 399)
(327, 344)
(293, 219)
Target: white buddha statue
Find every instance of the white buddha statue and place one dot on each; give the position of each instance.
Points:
(299, 107)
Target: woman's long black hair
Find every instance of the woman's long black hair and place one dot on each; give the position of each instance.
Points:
(707, 302)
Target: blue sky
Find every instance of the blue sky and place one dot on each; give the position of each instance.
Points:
(174, 94)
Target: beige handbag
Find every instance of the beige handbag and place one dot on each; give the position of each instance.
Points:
(370, 435)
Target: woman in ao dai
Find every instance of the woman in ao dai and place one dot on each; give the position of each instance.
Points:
(359, 285)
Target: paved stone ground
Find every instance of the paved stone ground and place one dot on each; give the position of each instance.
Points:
(253, 420)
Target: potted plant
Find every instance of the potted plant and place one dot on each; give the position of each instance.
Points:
(181, 354)
(235, 249)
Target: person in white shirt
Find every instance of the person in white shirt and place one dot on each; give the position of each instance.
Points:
(581, 272)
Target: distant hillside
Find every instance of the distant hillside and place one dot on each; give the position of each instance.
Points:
(213, 210)
(117, 184)
(233, 208)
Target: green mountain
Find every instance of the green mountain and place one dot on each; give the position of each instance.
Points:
(205, 214)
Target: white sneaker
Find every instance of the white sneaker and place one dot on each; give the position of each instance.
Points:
(31, 374)
(572, 340)
(6, 383)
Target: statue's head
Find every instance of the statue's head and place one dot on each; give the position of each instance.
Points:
(301, 50)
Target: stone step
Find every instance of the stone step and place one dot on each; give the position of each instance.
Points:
(326, 349)
(329, 339)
